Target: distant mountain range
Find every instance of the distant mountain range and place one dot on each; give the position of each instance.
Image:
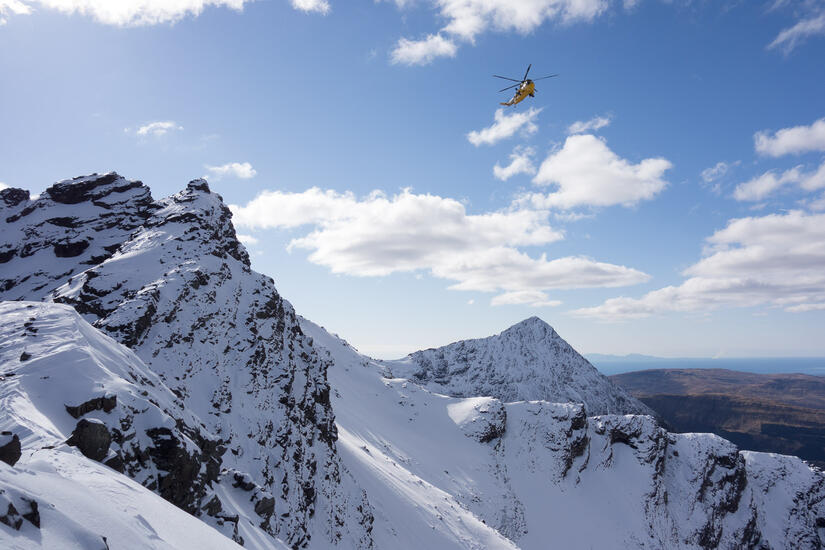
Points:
(615, 364)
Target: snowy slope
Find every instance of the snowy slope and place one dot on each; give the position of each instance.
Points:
(546, 475)
(75, 398)
(84, 505)
(528, 361)
(178, 291)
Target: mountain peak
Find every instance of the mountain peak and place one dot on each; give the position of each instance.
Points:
(530, 322)
(199, 184)
(90, 188)
(528, 361)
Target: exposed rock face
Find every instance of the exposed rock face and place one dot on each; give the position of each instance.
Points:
(92, 438)
(528, 361)
(103, 403)
(9, 448)
(73, 225)
(170, 280)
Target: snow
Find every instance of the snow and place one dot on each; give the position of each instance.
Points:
(554, 475)
(298, 440)
(528, 361)
(81, 501)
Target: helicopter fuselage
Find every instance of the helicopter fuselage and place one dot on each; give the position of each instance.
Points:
(527, 88)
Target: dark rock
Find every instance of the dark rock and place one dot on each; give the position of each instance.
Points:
(7, 255)
(265, 507)
(12, 518)
(103, 403)
(13, 196)
(116, 463)
(182, 485)
(23, 213)
(10, 452)
(64, 221)
(25, 356)
(92, 439)
(243, 481)
(213, 507)
(75, 192)
(199, 185)
(33, 515)
(69, 249)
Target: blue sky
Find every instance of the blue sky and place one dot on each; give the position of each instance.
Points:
(358, 141)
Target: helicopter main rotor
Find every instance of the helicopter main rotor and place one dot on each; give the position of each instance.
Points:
(523, 80)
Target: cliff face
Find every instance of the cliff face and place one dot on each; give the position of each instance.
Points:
(169, 280)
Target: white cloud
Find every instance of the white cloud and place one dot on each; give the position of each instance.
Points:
(3, 186)
(505, 126)
(466, 19)
(596, 123)
(123, 12)
(247, 239)
(792, 141)
(12, 7)
(240, 170)
(534, 298)
(818, 204)
(317, 6)
(422, 52)
(718, 171)
(814, 180)
(521, 162)
(760, 187)
(158, 128)
(588, 173)
(774, 260)
(379, 235)
(791, 37)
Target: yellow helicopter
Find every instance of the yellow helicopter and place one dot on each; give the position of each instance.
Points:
(524, 87)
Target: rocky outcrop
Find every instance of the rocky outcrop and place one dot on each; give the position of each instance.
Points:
(10, 451)
(13, 511)
(103, 403)
(74, 224)
(92, 438)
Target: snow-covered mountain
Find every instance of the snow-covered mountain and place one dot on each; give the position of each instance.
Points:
(528, 361)
(173, 283)
(446, 472)
(150, 361)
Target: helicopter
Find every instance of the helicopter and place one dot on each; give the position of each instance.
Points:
(524, 87)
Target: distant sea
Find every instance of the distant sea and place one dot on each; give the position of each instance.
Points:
(609, 364)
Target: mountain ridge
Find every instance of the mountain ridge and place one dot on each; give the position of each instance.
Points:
(174, 284)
